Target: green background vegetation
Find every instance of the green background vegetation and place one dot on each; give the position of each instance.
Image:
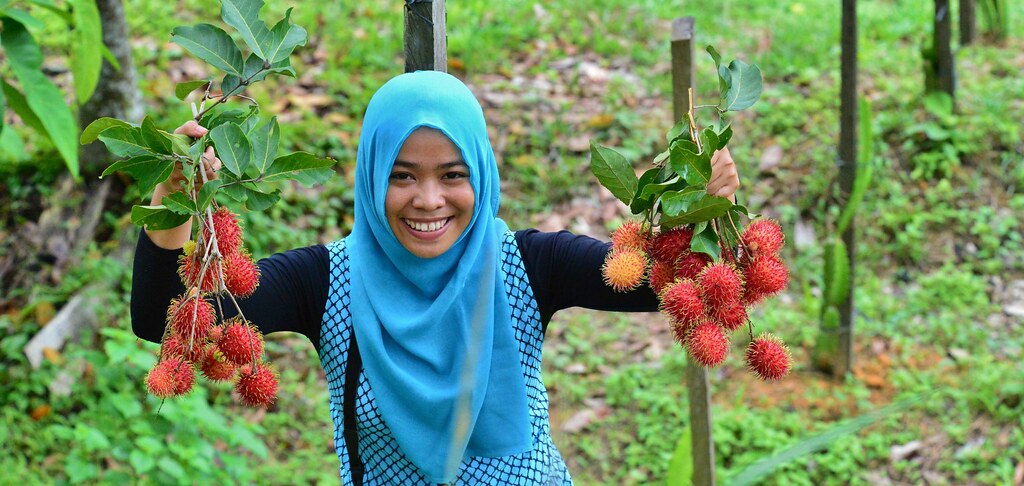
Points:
(941, 246)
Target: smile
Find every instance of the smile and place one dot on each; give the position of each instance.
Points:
(427, 227)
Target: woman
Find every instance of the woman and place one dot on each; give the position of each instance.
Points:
(442, 305)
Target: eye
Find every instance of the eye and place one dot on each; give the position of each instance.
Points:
(456, 175)
(400, 176)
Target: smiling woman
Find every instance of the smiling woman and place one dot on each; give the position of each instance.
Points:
(429, 203)
(429, 318)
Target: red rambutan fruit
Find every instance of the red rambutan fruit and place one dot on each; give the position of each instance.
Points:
(691, 264)
(768, 358)
(170, 377)
(763, 237)
(672, 244)
(242, 342)
(241, 275)
(256, 386)
(661, 275)
(624, 270)
(178, 346)
(679, 332)
(189, 268)
(215, 367)
(630, 235)
(731, 316)
(191, 317)
(216, 334)
(681, 301)
(764, 276)
(229, 233)
(720, 284)
(707, 344)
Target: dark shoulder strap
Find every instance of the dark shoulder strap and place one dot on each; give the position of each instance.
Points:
(351, 432)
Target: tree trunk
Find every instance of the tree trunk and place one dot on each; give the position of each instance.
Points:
(968, 24)
(942, 38)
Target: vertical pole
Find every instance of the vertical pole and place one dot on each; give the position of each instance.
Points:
(968, 24)
(698, 388)
(426, 44)
(848, 111)
(943, 51)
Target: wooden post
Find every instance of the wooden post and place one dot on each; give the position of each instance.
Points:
(968, 24)
(848, 111)
(943, 52)
(426, 44)
(698, 388)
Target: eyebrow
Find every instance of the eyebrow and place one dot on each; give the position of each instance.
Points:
(447, 165)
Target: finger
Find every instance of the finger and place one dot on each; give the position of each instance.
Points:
(210, 157)
(192, 129)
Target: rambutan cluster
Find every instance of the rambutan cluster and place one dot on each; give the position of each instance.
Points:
(197, 338)
(706, 300)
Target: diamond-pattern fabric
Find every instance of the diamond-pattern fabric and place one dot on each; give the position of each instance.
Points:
(384, 462)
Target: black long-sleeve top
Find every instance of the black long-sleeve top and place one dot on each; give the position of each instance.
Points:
(564, 271)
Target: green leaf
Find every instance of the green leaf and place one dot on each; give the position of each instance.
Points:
(125, 141)
(269, 44)
(756, 472)
(300, 166)
(706, 209)
(613, 172)
(233, 147)
(265, 139)
(706, 242)
(180, 144)
(41, 95)
(211, 44)
(744, 88)
(723, 80)
(19, 104)
(675, 202)
(258, 201)
(206, 193)
(156, 217)
(862, 179)
(180, 203)
(724, 135)
(86, 59)
(141, 462)
(709, 140)
(183, 89)
(838, 264)
(694, 167)
(24, 17)
(92, 132)
(680, 467)
(12, 145)
(643, 200)
(147, 170)
(679, 129)
(155, 140)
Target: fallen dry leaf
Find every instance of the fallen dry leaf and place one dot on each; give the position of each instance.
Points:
(53, 356)
(40, 412)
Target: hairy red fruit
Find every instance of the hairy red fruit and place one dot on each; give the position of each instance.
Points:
(681, 301)
(178, 346)
(707, 344)
(662, 274)
(720, 284)
(768, 358)
(679, 332)
(216, 334)
(691, 264)
(630, 235)
(215, 367)
(731, 316)
(191, 317)
(624, 270)
(229, 233)
(256, 386)
(190, 267)
(241, 275)
(242, 343)
(765, 276)
(672, 244)
(763, 237)
(170, 377)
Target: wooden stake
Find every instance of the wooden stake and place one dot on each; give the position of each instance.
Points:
(426, 43)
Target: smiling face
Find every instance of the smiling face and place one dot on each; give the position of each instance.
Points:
(429, 202)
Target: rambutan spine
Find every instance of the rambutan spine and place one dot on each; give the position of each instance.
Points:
(256, 385)
(630, 235)
(707, 344)
(768, 357)
(242, 343)
(681, 301)
(720, 284)
(241, 274)
(624, 270)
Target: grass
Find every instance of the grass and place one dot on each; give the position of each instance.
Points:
(939, 247)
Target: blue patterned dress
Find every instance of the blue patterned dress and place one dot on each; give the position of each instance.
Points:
(384, 462)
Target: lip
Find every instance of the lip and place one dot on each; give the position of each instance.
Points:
(426, 235)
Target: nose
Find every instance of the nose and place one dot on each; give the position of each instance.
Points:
(429, 197)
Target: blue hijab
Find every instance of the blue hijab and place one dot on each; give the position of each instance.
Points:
(435, 334)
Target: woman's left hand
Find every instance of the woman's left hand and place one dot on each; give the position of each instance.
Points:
(724, 178)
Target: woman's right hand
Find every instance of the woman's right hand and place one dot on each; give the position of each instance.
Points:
(175, 238)
(174, 183)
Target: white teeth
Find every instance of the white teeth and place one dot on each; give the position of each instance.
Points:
(434, 226)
